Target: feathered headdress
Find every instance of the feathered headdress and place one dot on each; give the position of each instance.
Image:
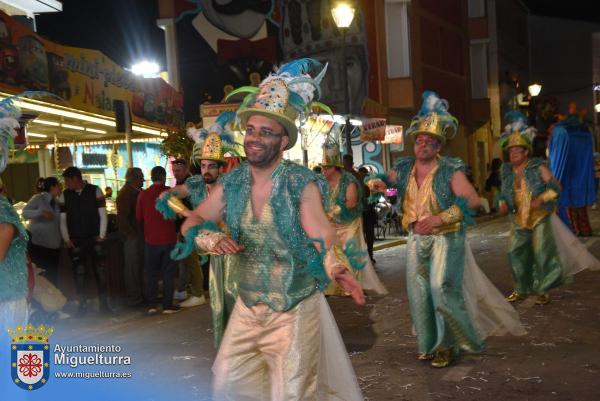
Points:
(516, 132)
(433, 119)
(289, 93)
(9, 121)
(212, 144)
(332, 156)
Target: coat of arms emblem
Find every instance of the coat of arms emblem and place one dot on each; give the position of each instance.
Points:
(30, 356)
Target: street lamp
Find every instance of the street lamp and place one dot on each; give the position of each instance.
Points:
(146, 69)
(534, 89)
(343, 14)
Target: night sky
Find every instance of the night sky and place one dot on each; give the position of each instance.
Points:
(124, 30)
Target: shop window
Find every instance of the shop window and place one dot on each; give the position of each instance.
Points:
(397, 38)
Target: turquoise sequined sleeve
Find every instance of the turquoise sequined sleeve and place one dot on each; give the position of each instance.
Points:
(13, 269)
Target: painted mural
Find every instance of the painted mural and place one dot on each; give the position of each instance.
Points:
(85, 79)
(222, 45)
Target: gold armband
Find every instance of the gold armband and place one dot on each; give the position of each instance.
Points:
(548, 195)
(207, 240)
(176, 205)
(451, 215)
(334, 260)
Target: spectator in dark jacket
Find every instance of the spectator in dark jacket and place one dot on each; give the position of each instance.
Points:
(131, 235)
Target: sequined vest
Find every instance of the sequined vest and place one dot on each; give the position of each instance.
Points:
(289, 268)
(518, 202)
(442, 189)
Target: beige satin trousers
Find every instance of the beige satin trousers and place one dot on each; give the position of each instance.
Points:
(268, 355)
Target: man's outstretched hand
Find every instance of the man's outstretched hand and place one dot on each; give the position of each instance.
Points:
(349, 284)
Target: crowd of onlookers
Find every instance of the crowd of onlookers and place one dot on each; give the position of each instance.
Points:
(72, 215)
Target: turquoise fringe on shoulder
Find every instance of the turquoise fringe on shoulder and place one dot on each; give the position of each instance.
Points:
(186, 247)
(196, 187)
(447, 166)
(467, 212)
(347, 215)
(162, 205)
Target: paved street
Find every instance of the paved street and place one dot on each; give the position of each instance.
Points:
(559, 358)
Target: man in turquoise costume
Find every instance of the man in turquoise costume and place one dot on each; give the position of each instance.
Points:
(345, 213)
(288, 252)
(436, 200)
(210, 146)
(529, 192)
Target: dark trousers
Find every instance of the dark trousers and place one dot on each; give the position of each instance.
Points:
(205, 272)
(133, 253)
(369, 231)
(47, 259)
(157, 259)
(89, 254)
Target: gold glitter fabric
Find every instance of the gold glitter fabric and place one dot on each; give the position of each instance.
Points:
(420, 203)
(525, 216)
(269, 355)
(267, 271)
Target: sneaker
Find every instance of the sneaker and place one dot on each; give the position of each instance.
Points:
(170, 310)
(152, 312)
(180, 295)
(193, 301)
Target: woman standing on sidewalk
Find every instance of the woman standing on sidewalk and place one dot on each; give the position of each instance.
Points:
(43, 213)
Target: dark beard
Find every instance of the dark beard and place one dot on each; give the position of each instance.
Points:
(209, 180)
(271, 154)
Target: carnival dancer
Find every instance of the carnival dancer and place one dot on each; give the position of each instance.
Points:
(345, 199)
(444, 283)
(210, 147)
(530, 192)
(13, 237)
(281, 338)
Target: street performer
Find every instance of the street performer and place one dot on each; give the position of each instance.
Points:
(210, 147)
(442, 277)
(529, 192)
(281, 333)
(345, 213)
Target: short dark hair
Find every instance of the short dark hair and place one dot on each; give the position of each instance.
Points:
(72, 172)
(133, 174)
(348, 158)
(158, 173)
(363, 169)
(48, 183)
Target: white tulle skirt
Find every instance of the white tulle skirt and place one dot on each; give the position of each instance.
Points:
(336, 380)
(573, 255)
(490, 313)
